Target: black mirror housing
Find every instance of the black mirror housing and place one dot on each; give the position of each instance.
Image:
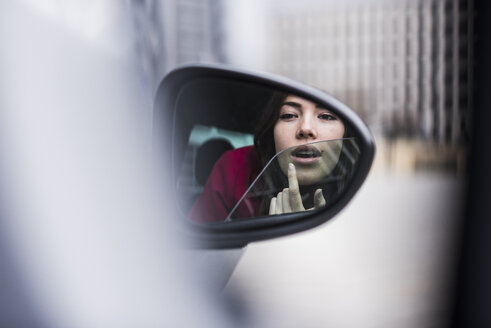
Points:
(214, 101)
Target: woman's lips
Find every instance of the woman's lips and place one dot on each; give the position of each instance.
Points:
(306, 154)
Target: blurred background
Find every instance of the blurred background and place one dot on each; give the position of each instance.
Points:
(405, 66)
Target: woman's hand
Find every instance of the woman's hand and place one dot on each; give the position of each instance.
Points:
(289, 200)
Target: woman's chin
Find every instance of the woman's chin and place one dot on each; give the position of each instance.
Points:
(308, 178)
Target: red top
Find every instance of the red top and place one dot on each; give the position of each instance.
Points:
(232, 174)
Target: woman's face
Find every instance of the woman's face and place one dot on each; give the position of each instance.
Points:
(300, 122)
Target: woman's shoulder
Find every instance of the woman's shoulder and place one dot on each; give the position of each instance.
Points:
(238, 162)
(243, 155)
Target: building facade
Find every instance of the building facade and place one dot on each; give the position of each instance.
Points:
(404, 66)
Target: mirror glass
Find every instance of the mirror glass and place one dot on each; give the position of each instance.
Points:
(243, 151)
(300, 178)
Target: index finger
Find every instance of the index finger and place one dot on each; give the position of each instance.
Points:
(295, 197)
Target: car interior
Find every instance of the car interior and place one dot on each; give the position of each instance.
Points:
(225, 123)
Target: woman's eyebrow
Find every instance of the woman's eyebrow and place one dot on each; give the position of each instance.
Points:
(327, 110)
(299, 106)
(292, 104)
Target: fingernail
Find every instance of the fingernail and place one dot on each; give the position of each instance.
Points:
(290, 167)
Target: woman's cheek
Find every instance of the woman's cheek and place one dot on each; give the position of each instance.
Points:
(334, 132)
(280, 136)
(341, 130)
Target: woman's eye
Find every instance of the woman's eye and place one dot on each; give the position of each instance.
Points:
(287, 116)
(327, 116)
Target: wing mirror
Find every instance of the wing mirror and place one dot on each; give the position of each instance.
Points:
(255, 156)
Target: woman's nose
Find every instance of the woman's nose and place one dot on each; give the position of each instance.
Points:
(306, 130)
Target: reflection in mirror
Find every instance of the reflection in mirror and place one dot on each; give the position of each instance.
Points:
(300, 178)
(235, 141)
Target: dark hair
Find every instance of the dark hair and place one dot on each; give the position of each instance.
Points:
(264, 135)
